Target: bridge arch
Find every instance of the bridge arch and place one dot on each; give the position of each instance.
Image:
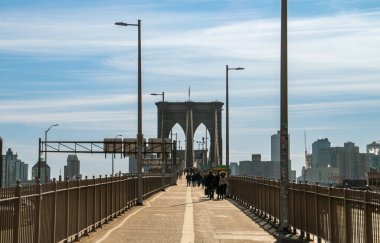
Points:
(189, 115)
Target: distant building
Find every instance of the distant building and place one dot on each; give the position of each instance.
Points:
(335, 164)
(374, 162)
(234, 167)
(1, 163)
(373, 148)
(268, 169)
(322, 175)
(316, 147)
(245, 168)
(13, 169)
(72, 169)
(44, 177)
(256, 158)
(374, 180)
(275, 147)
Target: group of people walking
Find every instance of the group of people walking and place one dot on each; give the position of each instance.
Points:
(218, 183)
(211, 182)
(194, 179)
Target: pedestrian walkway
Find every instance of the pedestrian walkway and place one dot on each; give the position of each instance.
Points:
(182, 214)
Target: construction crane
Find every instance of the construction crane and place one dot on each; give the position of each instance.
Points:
(307, 155)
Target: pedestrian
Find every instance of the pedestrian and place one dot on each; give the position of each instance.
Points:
(223, 183)
(209, 183)
(203, 180)
(216, 185)
(188, 179)
(194, 178)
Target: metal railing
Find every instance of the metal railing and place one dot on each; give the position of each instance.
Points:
(331, 214)
(64, 211)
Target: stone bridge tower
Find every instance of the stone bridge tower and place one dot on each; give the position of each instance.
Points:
(189, 115)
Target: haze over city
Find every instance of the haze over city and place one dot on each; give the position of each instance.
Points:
(67, 63)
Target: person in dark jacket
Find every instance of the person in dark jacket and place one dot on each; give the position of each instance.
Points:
(188, 179)
(209, 182)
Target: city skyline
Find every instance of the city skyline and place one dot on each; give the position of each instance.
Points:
(67, 63)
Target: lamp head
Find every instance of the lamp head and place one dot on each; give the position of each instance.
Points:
(121, 23)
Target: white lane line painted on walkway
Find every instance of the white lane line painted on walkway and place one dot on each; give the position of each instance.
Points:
(109, 232)
(188, 222)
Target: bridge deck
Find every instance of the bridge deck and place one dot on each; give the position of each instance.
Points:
(182, 214)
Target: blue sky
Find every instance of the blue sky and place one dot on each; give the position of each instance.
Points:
(66, 62)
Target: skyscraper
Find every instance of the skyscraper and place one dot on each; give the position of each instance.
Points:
(72, 169)
(275, 147)
(13, 169)
(272, 167)
(316, 147)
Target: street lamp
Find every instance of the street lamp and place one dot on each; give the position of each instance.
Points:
(113, 155)
(139, 125)
(227, 118)
(39, 164)
(284, 139)
(163, 156)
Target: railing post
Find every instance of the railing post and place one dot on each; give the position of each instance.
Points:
(67, 208)
(346, 221)
(293, 211)
(106, 216)
(299, 201)
(37, 224)
(279, 202)
(17, 207)
(367, 218)
(87, 206)
(316, 212)
(94, 203)
(100, 199)
(330, 238)
(55, 210)
(306, 212)
(121, 184)
(78, 210)
(113, 195)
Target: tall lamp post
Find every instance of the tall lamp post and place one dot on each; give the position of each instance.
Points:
(39, 163)
(113, 155)
(163, 156)
(284, 142)
(227, 118)
(139, 107)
